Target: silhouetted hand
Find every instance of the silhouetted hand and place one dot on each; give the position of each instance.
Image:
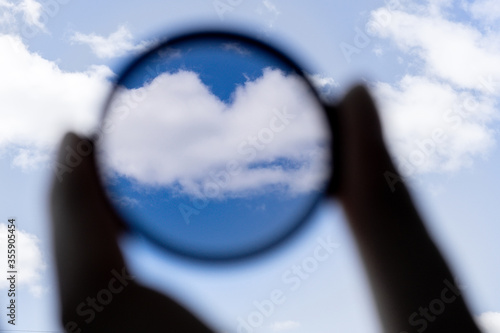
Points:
(96, 291)
(406, 271)
(413, 287)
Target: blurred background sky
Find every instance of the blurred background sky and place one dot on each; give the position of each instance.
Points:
(433, 67)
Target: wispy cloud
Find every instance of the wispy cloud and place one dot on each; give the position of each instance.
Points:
(487, 11)
(32, 11)
(449, 91)
(17, 13)
(271, 7)
(268, 10)
(236, 48)
(116, 44)
(284, 326)
(30, 262)
(29, 158)
(126, 202)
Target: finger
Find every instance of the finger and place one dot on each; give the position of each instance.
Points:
(362, 157)
(84, 227)
(89, 262)
(405, 268)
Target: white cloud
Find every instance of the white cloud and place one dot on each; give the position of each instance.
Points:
(431, 126)
(181, 135)
(324, 84)
(32, 11)
(30, 263)
(271, 7)
(7, 15)
(452, 51)
(282, 326)
(24, 12)
(127, 202)
(269, 12)
(484, 10)
(489, 322)
(236, 48)
(27, 159)
(452, 88)
(378, 51)
(40, 102)
(116, 44)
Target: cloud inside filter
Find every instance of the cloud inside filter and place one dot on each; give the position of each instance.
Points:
(179, 134)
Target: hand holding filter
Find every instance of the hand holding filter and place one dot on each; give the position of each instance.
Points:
(214, 146)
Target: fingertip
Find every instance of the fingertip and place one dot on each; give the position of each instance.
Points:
(73, 167)
(359, 115)
(76, 179)
(360, 153)
(74, 144)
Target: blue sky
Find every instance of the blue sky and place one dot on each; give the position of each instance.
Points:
(433, 66)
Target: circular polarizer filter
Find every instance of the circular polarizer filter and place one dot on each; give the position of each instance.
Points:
(215, 146)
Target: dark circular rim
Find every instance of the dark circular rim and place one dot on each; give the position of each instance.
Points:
(328, 113)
